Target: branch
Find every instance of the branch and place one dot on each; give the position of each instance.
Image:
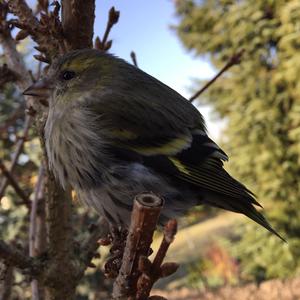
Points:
(234, 60)
(14, 184)
(14, 60)
(77, 22)
(133, 57)
(41, 242)
(14, 257)
(7, 75)
(33, 213)
(151, 272)
(19, 148)
(24, 12)
(47, 32)
(33, 230)
(113, 18)
(12, 118)
(61, 274)
(144, 218)
(91, 244)
(61, 267)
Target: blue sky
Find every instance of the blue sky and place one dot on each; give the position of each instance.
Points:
(144, 27)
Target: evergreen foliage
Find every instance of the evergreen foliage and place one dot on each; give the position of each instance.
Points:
(260, 100)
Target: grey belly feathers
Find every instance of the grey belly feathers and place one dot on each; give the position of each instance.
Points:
(73, 153)
(121, 184)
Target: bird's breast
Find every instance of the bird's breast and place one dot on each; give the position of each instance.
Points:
(75, 149)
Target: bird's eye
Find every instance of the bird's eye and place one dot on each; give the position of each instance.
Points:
(67, 75)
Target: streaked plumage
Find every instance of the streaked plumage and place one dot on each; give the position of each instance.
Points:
(114, 131)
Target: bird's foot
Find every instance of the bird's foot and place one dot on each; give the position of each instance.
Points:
(118, 241)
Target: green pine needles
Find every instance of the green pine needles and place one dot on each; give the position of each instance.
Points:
(260, 99)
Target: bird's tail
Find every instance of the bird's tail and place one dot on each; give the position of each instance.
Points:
(243, 205)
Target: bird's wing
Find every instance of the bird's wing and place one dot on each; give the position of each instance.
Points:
(175, 142)
(156, 128)
(176, 145)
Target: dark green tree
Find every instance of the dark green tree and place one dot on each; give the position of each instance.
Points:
(260, 100)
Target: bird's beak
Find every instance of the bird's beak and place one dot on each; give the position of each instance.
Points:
(41, 88)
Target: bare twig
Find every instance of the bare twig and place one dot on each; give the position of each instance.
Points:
(24, 12)
(33, 249)
(234, 60)
(41, 237)
(91, 244)
(151, 272)
(47, 32)
(42, 5)
(144, 218)
(133, 57)
(33, 213)
(113, 18)
(19, 148)
(14, 60)
(7, 75)
(170, 230)
(14, 257)
(14, 184)
(11, 119)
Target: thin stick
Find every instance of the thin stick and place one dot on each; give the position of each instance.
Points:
(133, 57)
(90, 245)
(33, 251)
(33, 213)
(7, 75)
(113, 17)
(16, 258)
(18, 113)
(144, 218)
(14, 184)
(169, 233)
(104, 44)
(151, 272)
(19, 148)
(234, 60)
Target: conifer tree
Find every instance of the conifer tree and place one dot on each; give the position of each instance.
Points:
(260, 100)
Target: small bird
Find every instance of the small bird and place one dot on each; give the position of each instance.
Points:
(113, 131)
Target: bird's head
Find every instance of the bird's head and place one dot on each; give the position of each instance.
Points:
(74, 74)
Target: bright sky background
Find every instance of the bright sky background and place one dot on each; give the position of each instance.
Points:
(144, 27)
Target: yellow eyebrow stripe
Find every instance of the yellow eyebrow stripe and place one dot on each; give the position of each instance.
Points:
(78, 64)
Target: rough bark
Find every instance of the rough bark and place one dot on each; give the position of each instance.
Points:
(6, 281)
(144, 218)
(62, 268)
(78, 23)
(61, 273)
